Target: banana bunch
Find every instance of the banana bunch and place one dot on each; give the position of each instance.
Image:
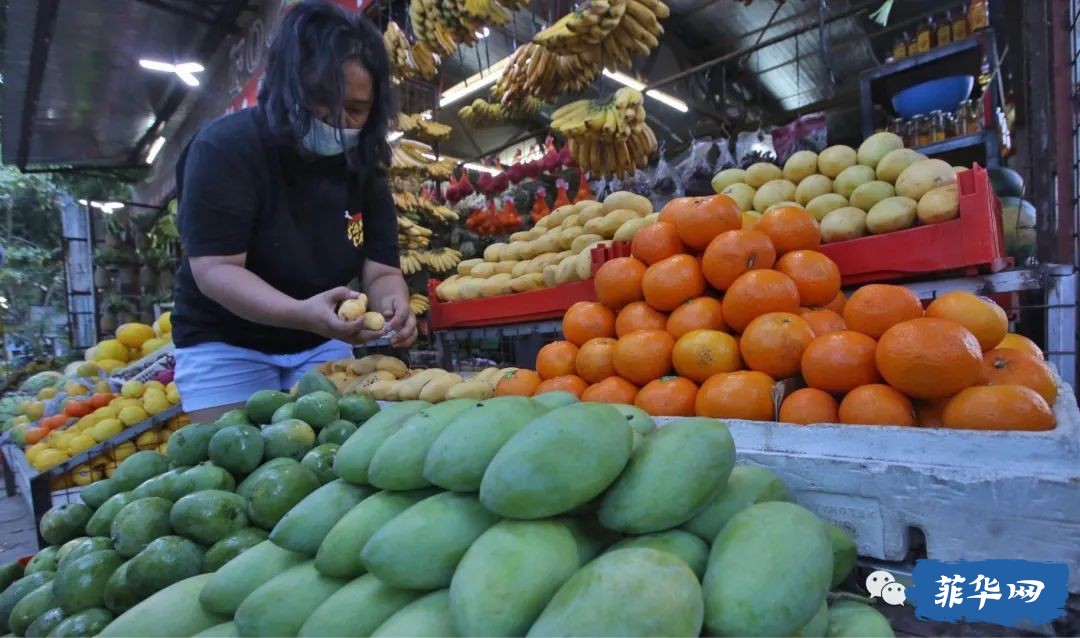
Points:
(583, 29)
(534, 71)
(409, 157)
(441, 259)
(419, 304)
(638, 33)
(435, 385)
(411, 262)
(484, 11)
(607, 137)
(482, 114)
(412, 235)
(431, 27)
(426, 129)
(419, 206)
(397, 45)
(351, 376)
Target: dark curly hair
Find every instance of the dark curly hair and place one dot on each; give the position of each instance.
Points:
(304, 71)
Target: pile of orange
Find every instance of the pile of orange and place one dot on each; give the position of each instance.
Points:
(707, 316)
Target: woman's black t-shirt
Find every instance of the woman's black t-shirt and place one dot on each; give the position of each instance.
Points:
(243, 191)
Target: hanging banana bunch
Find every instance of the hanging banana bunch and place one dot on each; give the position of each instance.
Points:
(419, 304)
(583, 29)
(607, 137)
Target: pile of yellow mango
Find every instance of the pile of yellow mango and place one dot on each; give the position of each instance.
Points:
(133, 342)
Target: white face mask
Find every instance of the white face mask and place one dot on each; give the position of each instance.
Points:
(323, 139)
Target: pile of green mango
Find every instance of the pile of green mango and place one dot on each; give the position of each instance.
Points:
(320, 515)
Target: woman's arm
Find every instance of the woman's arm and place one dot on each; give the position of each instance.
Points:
(243, 293)
(385, 287)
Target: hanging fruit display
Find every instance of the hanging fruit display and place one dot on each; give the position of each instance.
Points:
(607, 137)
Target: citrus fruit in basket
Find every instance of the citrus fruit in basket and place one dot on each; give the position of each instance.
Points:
(984, 318)
(737, 395)
(774, 343)
(668, 396)
(133, 335)
(594, 360)
(703, 313)
(699, 219)
(672, 282)
(571, 383)
(1007, 366)
(876, 404)
(656, 242)
(929, 358)
(588, 320)
(521, 383)
(809, 405)
(110, 350)
(758, 292)
(639, 316)
(611, 390)
(699, 354)
(618, 282)
(790, 229)
(823, 321)
(929, 413)
(556, 359)
(815, 275)
(875, 308)
(839, 362)
(999, 407)
(1020, 342)
(643, 356)
(733, 253)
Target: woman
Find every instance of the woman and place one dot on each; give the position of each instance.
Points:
(281, 206)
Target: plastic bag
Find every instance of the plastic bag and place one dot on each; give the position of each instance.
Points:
(753, 147)
(724, 158)
(640, 183)
(697, 171)
(808, 133)
(666, 184)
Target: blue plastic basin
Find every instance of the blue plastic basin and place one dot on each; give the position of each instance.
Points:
(943, 94)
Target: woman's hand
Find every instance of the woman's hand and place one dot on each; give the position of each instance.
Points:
(318, 314)
(399, 319)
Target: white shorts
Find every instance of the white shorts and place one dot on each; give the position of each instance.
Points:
(211, 375)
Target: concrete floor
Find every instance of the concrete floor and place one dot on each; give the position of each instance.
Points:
(17, 537)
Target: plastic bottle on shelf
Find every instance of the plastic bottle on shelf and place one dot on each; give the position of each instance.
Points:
(978, 16)
(899, 48)
(924, 36)
(959, 25)
(944, 29)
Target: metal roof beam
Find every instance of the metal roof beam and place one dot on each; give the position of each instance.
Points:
(44, 25)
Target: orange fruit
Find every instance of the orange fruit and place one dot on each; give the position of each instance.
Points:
(656, 242)
(571, 383)
(839, 362)
(699, 354)
(875, 308)
(639, 316)
(837, 304)
(556, 359)
(815, 275)
(668, 396)
(672, 282)
(929, 358)
(644, 356)
(790, 229)
(807, 406)
(1007, 366)
(876, 404)
(984, 318)
(1020, 342)
(823, 321)
(611, 390)
(588, 320)
(733, 253)
(593, 360)
(736, 395)
(998, 407)
(774, 343)
(519, 383)
(758, 292)
(699, 219)
(930, 412)
(618, 282)
(703, 313)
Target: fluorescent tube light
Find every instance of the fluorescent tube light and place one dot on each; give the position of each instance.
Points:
(483, 169)
(154, 65)
(155, 148)
(394, 136)
(661, 97)
(624, 79)
(185, 70)
(474, 83)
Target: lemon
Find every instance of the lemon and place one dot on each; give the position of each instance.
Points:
(133, 389)
(133, 335)
(102, 387)
(106, 429)
(80, 443)
(173, 396)
(152, 345)
(163, 325)
(87, 422)
(127, 403)
(155, 385)
(106, 412)
(111, 349)
(48, 459)
(122, 451)
(76, 389)
(132, 415)
(61, 440)
(156, 404)
(109, 365)
(35, 449)
(83, 475)
(147, 440)
(47, 393)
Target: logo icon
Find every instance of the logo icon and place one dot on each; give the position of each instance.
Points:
(881, 584)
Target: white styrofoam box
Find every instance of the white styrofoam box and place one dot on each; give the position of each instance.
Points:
(974, 495)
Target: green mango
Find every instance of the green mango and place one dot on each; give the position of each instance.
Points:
(138, 523)
(683, 545)
(314, 381)
(844, 553)
(237, 579)
(43, 561)
(244, 488)
(45, 623)
(208, 516)
(305, 526)
(64, 522)
(237, 448)
(747, 484)
(427, 616)
(850, 619)
(262, 405)
(354, 457)
(232, 546)
(318, 409)
(340, 616)
(190, 445)
(277, 491)
(81, 547)
(337, 432)
(98, 492)
(173, 611)
(398, 464)
(281, 605)
(140, 467)
(83, 624)
(80, 583)
(357, 408)
(32, 605)
(167, 560)
(288, 439)
(205, 476)
(101, 522)
(320, 460)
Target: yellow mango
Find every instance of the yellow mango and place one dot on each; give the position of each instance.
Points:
(132, 415)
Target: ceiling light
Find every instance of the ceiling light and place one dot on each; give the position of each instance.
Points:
(661, 97)
(155, 148)
(483, 33)
(185, 70)
(491, 170)
(393, 136)
(83, 202)
(474, 83)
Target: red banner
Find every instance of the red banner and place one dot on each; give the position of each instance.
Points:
(249, 54)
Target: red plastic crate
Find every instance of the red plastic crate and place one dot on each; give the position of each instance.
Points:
(520, 307)
(971, 243)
